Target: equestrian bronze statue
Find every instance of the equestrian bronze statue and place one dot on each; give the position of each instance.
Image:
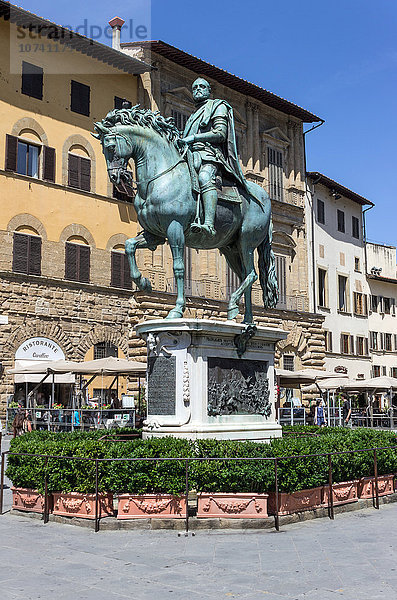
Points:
(190, 190)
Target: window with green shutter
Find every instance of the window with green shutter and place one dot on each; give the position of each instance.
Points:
(120, 270)
(79, 172)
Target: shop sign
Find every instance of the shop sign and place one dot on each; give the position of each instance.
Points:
(39, 348)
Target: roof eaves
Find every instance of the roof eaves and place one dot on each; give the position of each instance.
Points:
(224, 77)
(77, 41)
(338, 187)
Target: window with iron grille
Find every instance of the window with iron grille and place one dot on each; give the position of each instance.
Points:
(275, 162)
(288, 362)
(179, 118)
(32, 80)
(26, 254)
(322, 289)
(120, 276)
(80, 98)
(320, 211)
(79, 172)
(341, 220)
(77, 262)
(355, 228)
(104, 350)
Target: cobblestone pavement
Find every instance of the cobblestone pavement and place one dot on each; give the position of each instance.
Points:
(353, 557)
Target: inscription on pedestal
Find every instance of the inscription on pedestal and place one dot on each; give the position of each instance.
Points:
(238, 387)
(161, 385)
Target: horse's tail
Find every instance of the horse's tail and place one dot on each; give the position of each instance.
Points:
(267, 271)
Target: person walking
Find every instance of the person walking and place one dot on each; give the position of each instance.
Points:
(347, 412)
(319, 418)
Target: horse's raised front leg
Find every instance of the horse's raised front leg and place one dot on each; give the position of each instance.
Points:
(143, 240)
(176, 239)
(247, 259)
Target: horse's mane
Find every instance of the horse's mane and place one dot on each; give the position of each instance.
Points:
(146, 118)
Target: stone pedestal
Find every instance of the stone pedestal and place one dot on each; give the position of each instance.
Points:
(210, 379)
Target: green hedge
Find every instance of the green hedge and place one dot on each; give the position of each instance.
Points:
(204, 475)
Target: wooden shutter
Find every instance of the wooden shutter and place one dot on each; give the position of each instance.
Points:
(116, 266)
(32, 80)
(48, 163)
(80, 98)
(71, 261)
(127, 273)
(351, 344)
(34, 255)
(85, 174)
(20, 253)
(84, 263)
(73, 171)
(11, 153)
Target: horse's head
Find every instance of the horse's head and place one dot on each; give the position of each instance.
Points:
(117, 148)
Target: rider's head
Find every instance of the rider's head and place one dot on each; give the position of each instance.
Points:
(201, 90)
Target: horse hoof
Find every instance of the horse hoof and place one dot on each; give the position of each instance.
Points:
(232, 313)
(175, 313)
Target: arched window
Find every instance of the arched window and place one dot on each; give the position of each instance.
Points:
(77, 259)
(27, 155)
(120, 269)
(26, 256)
(79, 168)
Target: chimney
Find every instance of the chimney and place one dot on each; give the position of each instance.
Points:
(116, 24)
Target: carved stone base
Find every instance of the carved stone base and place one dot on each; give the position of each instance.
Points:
(210, 379)
(232, 506)
(151, 506)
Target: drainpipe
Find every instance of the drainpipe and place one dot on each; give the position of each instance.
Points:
(365, 238)
(116, 24)
(312, 211)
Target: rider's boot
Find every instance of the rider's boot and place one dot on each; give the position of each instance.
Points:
(210, 199)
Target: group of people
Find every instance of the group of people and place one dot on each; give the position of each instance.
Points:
(319, 414)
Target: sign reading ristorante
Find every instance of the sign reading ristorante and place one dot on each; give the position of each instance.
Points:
(39, 348)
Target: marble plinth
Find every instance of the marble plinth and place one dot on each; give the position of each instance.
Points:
(201, 383)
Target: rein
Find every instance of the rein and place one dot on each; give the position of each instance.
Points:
(150, 179)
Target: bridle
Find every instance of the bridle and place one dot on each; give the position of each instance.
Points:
(149, 180)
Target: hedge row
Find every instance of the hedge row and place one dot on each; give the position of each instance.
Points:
(165, 476)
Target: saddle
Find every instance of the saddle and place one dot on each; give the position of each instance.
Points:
(227, 189)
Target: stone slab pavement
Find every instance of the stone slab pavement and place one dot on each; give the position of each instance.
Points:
(353, 557)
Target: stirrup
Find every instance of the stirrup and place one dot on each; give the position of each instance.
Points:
(208, 230)
(196, 227)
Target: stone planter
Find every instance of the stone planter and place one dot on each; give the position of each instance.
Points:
(232, 506)
(28, 500)
(296, 501)
(151, 506)
(75, 504)
(343, 493)
(366, 486)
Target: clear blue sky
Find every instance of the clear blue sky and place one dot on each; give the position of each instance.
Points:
(336, 58)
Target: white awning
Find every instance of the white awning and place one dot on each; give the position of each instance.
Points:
(33, 371)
